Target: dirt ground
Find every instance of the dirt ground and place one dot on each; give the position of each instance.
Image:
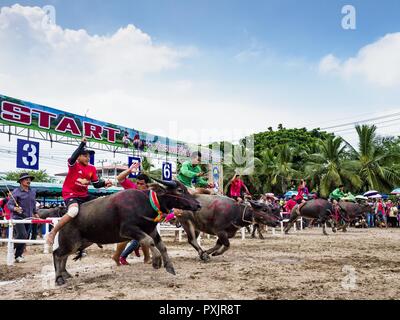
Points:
(359, 264)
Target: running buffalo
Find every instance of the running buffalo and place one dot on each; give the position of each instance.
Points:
(320, 209)
(121, 217)
(353, 211)
(223, 217)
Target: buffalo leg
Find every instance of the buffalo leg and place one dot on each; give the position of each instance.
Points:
(260, 235)
(223, 237)
(217, 246)
(58, 263)
(192, 239)
(292, 221)
(163, 250)
(255, 228)
(133, 232)
(65, 274)
(65, 249)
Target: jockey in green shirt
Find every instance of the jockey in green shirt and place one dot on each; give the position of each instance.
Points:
(191, 174)
(338, 193)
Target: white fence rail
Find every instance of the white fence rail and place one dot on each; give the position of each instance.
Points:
(11, 241)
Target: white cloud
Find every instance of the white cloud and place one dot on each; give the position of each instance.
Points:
(122, 78)
(378, 62)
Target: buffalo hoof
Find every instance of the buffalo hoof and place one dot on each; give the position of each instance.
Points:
(171, 270)
(261, 237)
(205, 257)
(334, 230)
(344, 230)
(60, 281)
(157, 262)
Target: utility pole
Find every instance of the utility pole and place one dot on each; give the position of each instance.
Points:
(102, 166)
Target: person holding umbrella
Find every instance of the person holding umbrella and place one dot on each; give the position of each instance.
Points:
(22, 205)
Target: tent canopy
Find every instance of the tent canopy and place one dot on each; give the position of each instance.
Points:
(52, 189)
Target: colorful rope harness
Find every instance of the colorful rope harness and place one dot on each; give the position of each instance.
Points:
(161, 216)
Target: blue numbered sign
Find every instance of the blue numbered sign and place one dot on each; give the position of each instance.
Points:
(27, 155)
(132, 160)
(167, 171)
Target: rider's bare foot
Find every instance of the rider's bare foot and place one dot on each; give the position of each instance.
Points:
(147, 261)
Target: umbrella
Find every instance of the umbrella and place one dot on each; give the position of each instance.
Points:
(371, 193)
(289, 194)
(375, 196)
(361, 198)
(396, 191)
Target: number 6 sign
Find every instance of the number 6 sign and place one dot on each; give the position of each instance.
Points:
(167, 171)
(27, 155)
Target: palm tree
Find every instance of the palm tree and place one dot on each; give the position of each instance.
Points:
(376, 165)
(278, 167)
(331, 167)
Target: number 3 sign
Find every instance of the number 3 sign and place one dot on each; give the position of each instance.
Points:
(27, 155)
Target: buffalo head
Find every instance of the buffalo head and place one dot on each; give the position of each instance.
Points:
(174, 194)
(265, 214)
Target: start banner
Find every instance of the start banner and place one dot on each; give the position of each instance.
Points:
(25, 114)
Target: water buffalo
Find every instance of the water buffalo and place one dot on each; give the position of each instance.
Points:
(353, 212)
(120, 217)
(319, 209)
(257, 227)
(223, 217)
(56, 212)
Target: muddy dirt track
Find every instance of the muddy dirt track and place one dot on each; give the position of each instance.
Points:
(359, 264)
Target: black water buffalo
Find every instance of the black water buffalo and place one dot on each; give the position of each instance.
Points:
(319, 209)
(223, 217)
(121, 217)
(353, 211)
(257, 227)
(56, 212)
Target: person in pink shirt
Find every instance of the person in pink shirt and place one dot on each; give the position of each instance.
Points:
(302, 190)
(236, 185)
(141, 184)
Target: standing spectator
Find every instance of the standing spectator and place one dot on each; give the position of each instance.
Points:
(398, 215)
(392, 215)
(370, 217)
(5, 214)
(22, 205)
(380, 212)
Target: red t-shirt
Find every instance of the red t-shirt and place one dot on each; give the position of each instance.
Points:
(128, 184)
(6, 211)
(236, 186)
(290, 205)
(78, 179)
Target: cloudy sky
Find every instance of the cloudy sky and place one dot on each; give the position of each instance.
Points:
(205, 70)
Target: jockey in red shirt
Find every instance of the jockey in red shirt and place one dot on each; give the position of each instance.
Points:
(141, 184)
(75, 189)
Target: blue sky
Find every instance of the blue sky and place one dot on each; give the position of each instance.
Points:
(263, 58)
(308, 28)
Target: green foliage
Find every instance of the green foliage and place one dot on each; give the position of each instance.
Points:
(325, 161)
(40, 176)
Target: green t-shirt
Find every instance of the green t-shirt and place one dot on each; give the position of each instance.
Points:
(188, 173)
